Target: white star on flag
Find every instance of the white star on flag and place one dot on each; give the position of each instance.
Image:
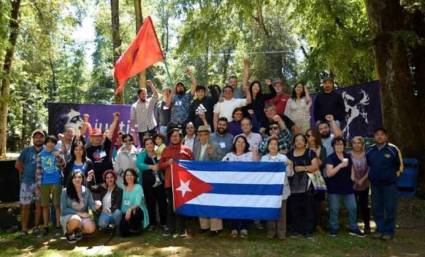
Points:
(184, 187)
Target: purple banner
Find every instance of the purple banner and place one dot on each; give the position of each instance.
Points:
(362, 109)
(63, 115)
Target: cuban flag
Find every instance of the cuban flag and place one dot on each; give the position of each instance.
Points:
(228, 190)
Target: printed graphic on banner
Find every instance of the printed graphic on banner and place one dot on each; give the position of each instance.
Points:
(362, 109)
(100, 116)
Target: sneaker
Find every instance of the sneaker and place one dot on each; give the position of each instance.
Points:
(183, 235)
(36, 231)
(387, 237)
(356, 232)
(167, 232)
(45, 231)
(244, 233)
(332, 233)
(234, 233)
(70, 238)
(78, 235)
(58, 231)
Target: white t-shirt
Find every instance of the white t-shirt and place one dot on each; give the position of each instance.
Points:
(225, 108)
(106, 201)
(231, 157)
(281, 158)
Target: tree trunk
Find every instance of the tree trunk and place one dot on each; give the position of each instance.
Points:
(399, 100)
(116, 41)
(5, 82)
(139, 23)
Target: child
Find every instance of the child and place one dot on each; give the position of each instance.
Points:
(49, 163)
(159, 145)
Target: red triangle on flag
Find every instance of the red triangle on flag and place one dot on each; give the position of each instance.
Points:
(186, 186)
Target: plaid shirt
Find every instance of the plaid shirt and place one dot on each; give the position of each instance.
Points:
(285, 142)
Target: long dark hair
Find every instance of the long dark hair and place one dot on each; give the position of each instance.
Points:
(83, 157)
(246, 144)
(70, 188)
(294, 94)
(252, 85)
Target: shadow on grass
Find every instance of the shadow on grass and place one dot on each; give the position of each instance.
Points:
(408, 242)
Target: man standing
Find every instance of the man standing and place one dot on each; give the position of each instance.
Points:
(181, 102)
(206, 150)
(142, 112)
(173, 152)
(99, 151)
(163, 111)
(273, 117)
(226, 107)
(326, 128)
(222, 137)
(201, 107)
(329, 102)
(385, 165)
(26, 165)
(64, 145)
(254, 139)
(281, 98)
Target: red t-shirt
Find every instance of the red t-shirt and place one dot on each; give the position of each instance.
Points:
(175, 152)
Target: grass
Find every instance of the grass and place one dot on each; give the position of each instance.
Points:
(409, 241)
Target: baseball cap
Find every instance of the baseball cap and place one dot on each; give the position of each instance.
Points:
(38, 131)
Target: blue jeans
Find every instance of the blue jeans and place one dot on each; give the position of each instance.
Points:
(105, 219)
(384, 205)
(350, 205)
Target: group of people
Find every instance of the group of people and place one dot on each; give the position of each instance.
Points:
(125, 186)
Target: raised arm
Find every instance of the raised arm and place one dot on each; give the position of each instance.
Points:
(245, 77)
(114, 125)
(192, 79)
(334, 127)
(153, 88)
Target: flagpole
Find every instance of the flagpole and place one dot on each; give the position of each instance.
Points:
(172, 186)
(168, 73)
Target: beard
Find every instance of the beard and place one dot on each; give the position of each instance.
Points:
(326, 135)
(38, 144)
(180, 92)
(221, 130)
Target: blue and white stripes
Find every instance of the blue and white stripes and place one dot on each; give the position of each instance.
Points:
(240, 190)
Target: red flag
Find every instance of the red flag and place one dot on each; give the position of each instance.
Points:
(142, 53)
(186, 186)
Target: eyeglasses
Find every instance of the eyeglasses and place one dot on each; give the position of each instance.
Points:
(274, 128)
(308, 135)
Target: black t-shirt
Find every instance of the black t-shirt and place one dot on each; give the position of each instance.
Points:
(163, 113)
(148, 177)
(101, 157)
(299, 182)
(341, 182)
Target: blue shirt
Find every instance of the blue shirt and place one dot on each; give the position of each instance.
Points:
(341, 182)
(180, 108)
(383, 164)
(50, 173)
(28, 157)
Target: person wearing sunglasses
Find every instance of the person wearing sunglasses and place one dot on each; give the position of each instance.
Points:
(281, 132)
